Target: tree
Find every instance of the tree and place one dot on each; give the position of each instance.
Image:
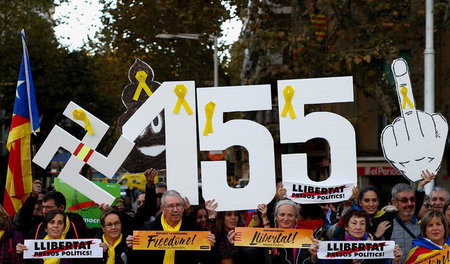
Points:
(130, 29)
(358, 38)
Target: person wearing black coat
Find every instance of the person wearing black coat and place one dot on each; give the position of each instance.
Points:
(172, 219)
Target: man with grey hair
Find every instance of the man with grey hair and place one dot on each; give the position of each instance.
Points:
(402, 225)
(438, 198)
(171, 219)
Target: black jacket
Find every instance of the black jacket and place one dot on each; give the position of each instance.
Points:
(121, 252)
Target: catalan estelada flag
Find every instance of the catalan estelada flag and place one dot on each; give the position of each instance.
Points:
(25, 120)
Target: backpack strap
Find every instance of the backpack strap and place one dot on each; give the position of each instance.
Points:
(402, 224)
(74, 229)
(37, 231)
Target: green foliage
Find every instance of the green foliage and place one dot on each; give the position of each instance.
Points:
(59, 76)
(361, 36)
(130, 29)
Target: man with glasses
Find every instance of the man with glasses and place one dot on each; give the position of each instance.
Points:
(171, 219)
(56, 201)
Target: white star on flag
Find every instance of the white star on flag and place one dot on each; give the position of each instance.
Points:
(17, 89)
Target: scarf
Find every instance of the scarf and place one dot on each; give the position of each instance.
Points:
(112, 249)
(350, 238)
(375, 215)
(169, 256)
(56, 260)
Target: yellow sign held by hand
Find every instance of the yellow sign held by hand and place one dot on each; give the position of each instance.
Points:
(141, 76)
(404, 92)
(180, 90)
(79, 114)
(288, 93)
(209, 111)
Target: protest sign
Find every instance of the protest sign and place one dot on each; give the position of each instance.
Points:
(254, 137)
(356, 250)
(83, 152)
(302, 193)
(78, 203)
(272, 237)
(178, 240)
(149, 149)
(415, 141)
(296, 127)
(63, 248)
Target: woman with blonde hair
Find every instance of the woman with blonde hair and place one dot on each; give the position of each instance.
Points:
(434, 236)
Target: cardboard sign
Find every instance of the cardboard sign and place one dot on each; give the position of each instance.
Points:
(63, 248)
(303, 193)
(272, 237)
(442, 256)
(298, 127)
(149, 148)
(178, 240)
(83, 152)
(82, 205)
(247, 133)
(356, 250)
(415, 141)
(178, 100)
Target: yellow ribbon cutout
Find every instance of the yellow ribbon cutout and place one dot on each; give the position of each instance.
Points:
(404, 92)
(180, 90)
(288, 93)
(209, 110)
(79, 114)
(141, 76)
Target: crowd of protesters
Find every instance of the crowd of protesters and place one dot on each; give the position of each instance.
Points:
(418, 224)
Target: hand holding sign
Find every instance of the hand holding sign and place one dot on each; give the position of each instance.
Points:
(416, 140)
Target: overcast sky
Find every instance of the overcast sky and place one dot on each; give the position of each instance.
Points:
(81, 19)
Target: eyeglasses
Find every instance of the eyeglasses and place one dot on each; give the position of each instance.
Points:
(405, 200)
(49, 207)
(111, 225)
(172, 206)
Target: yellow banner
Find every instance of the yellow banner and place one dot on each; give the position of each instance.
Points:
(443, 256)
(272, 237)
(177, 240)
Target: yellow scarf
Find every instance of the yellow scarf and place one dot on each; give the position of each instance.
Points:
(56, 260)
(112, 249)
(2, 232)
(169, 256)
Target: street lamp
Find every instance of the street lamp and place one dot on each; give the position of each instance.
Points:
(196, 36)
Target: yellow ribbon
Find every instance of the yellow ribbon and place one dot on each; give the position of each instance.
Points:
(169, 255)
(288, 93)
(141, 76)
(79, 114)
(404, 92)
(209, 110)
(180, 90)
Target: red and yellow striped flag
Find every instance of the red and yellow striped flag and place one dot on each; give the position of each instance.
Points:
(25, 120)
